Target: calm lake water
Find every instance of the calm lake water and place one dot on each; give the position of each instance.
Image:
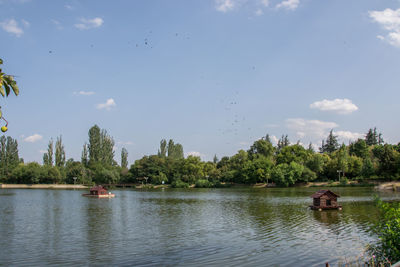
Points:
(196, 227)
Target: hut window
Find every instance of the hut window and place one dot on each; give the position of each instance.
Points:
(328, 202)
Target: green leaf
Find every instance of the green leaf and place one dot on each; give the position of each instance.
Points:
(2, 91)
(15, 89)
(1, 61)
(7, 87)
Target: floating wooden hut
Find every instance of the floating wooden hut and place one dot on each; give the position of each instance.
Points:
(99, 192)
(325, 200)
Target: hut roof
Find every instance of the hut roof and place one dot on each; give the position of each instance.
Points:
(98, 188)
(320, 193)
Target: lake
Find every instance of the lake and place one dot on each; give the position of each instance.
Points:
(184, 227)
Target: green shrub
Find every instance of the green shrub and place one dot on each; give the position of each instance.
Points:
(179, 184)
(344, 181)
(203, 183)
(388, 231)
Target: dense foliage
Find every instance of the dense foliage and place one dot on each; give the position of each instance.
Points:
(284, 164)
(388, 230)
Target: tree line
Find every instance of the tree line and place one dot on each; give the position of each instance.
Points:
(284, 164)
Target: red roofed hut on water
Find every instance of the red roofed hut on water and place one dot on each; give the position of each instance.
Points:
(99, 192)
(325, 200)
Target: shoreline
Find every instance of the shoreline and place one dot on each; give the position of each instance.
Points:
(43, 186)
(382, 186)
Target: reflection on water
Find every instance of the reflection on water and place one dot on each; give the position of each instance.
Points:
(238, 226)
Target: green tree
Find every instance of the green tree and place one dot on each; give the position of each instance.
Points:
(331, 144)
(84, 157)
(162, 152)
(48, 157)
(359, 149)
(286, 174)
(296, 153)
(283, 142)
(94, 144)
(101, 147)
(371, 138)
(107, 148)
(9, 157)
(215, 159)
(7, 83)
(367, 168)
(261, 147)
(60, 153)
(175, 151)
(124, 158)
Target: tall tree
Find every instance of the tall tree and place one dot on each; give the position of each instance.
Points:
(171, 148)
(373, 138)
(124, 158)
(267, 138)
(7, 83)
(163, 149)
(84, 157)
(283, 142)
(94, 144)
(107, 148)
(48, 157)
(179, 151)
(215, 159)
(331, 143)
(60, 153)
(175, 151)
(9, 158)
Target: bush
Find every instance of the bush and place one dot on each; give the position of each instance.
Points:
(179, 184)
(344, 181)
(203, 183)
(388, 230)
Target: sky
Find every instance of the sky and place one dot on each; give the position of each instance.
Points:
(213, 75)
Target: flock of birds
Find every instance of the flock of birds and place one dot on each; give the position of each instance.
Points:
(232, 125)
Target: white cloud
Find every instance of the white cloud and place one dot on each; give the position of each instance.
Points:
(86, 24)
(389, 19)
(69, 7)
(194, 153)
(11, 26)
(84, 93)
(42, 151)
(108, 105)
(259, 12)
(310, 128)
(289, 4)
(224, 5)
(33, 138)
(348, 136)
(341, 106)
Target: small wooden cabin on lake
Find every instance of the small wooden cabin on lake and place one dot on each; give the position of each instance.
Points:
(325, 200)
(99, 192)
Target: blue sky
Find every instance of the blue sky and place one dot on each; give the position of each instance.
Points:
(213, 75)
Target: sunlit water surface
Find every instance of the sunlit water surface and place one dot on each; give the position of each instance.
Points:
(196, 227)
